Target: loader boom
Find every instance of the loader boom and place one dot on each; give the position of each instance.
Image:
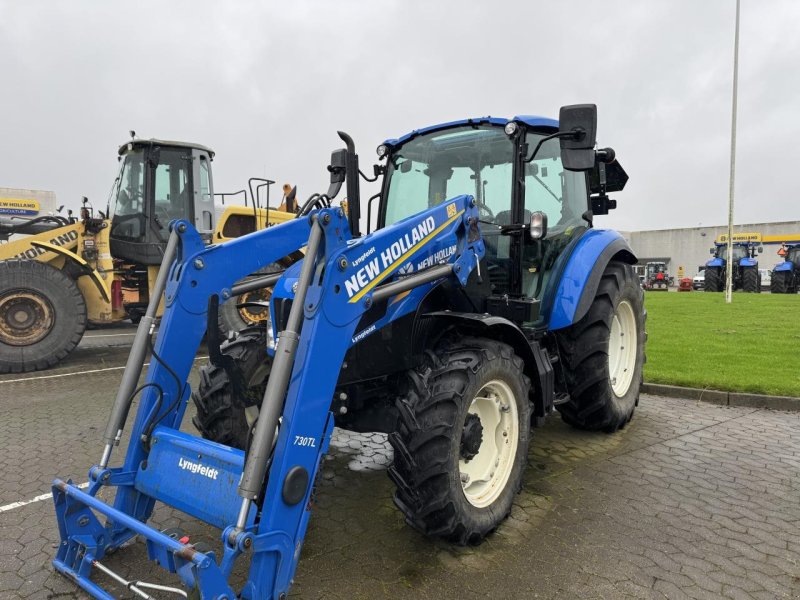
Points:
(268, 513)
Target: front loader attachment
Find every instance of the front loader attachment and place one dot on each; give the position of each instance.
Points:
(259, 500)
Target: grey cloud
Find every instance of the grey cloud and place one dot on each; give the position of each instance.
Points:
(268, 84)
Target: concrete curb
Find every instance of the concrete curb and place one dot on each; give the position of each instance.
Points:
(724, 398)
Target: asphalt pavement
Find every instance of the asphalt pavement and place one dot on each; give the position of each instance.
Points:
(691, 500)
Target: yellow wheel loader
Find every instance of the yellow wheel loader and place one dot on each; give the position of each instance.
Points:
(58, 275)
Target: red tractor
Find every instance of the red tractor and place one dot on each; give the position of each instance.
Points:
(656, 277)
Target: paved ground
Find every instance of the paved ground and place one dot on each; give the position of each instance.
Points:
(691, 500)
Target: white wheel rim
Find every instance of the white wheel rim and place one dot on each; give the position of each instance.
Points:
(484, 477)
(622, 349)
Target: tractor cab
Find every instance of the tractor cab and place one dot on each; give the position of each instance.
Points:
(740, 251)
(532, 206)
(158, 182)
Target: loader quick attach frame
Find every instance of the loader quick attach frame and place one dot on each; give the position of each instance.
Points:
(260, 501)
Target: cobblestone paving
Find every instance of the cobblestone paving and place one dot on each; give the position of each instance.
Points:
(690, 501)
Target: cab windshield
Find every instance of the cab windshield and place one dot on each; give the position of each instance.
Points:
(167, 171)
(739, 252)
(127, 209)
(432, 168)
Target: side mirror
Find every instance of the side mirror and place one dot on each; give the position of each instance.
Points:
(338, 170)
(711, 250)
(760, 249)
(538, 226)
(577, 149)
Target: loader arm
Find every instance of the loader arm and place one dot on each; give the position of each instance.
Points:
(267, 514)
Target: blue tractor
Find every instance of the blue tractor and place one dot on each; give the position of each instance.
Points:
(785, 277)
(745, 267)
(482, 301)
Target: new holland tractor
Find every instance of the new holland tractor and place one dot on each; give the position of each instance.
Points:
(745, 267)
(785, 277)
(482, 301)
(58, 275)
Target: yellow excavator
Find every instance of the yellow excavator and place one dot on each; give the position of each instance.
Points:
(59, 275)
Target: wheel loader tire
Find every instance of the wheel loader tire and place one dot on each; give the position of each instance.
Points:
(448, 484)
(42, 316)
(603, 371)
(779, 284)
(750, 282)
(221, 414)
(233, 319)
(713, 279)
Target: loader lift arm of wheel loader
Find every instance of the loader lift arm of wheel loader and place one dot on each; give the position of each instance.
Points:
(267, 515)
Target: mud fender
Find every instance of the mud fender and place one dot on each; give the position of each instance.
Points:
(581, 275)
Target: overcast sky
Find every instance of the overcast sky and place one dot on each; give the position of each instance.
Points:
(267, 84)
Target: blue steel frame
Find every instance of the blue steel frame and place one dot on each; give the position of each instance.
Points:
(340, 293)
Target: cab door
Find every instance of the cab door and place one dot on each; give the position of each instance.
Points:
(204, 218)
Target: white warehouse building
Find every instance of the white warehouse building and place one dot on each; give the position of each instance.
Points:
(686, 250)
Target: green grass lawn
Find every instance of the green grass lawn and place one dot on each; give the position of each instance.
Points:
(751, 345)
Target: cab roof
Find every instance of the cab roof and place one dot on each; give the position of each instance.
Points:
(138, 143)
(529, 120)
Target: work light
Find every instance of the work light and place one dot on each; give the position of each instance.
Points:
(538, 228)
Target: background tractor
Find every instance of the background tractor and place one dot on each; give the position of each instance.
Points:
(656, 277)
(58, 275)
(745, 267)
(786, 275)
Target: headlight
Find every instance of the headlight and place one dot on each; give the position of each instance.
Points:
(511, 128)
(382, 151)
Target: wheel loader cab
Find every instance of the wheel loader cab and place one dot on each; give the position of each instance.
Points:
(492, 160)
(159, 182)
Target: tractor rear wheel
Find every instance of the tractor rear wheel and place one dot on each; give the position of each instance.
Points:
(779, 284)
(713, 279)
(750, 280)
(222, 415)
(603, 354)
(42, 316)
(462, 443)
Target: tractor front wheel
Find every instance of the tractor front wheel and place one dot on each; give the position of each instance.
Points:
(42, 316)
(713, 279)
(603, 354)
(779, 284)
(750, 280)
(462, 443)
(222, 414)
